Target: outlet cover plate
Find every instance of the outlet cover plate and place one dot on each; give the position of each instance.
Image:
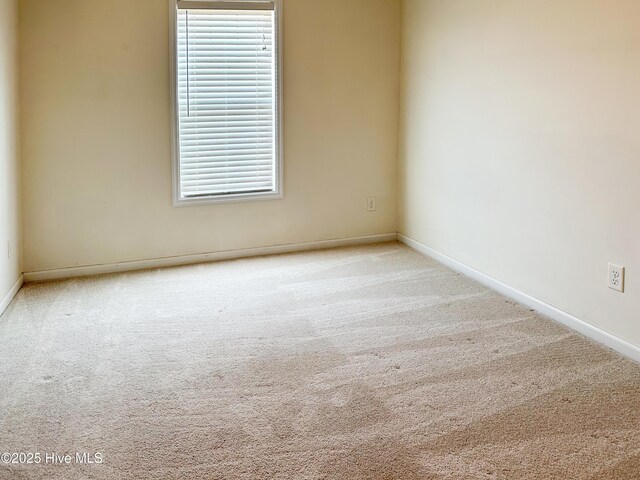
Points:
(371, 204)
(616, 278)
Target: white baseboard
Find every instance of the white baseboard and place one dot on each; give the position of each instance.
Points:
(4, 303)
(201, 258)
(611, 341)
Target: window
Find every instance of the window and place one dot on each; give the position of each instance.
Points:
(227, 100)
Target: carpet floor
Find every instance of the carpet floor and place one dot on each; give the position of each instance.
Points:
(368, 362)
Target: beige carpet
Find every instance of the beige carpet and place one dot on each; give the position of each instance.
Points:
(358, 363)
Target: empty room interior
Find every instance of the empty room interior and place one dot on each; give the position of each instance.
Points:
(302, 239)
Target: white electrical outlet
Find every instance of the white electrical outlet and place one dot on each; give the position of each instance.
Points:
(616, 277)
(371, 204)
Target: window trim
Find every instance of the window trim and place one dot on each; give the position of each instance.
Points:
(178, 201)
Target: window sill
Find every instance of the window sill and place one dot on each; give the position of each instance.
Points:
(231, 198)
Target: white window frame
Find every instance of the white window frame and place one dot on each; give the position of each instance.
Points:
(278, 193)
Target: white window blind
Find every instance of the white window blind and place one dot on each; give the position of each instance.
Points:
(227, 99)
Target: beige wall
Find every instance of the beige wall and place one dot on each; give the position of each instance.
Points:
(10, 268)
(520, 146)
(96, 133)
